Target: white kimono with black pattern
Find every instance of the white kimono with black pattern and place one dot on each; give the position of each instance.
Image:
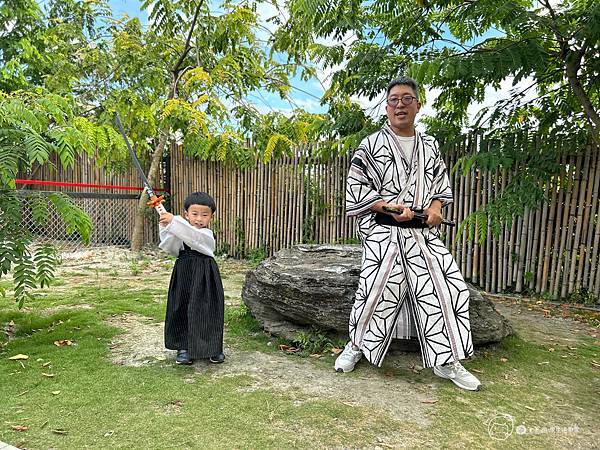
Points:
(409, 282)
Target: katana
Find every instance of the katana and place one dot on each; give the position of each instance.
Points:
(155, 201)
(417, 215)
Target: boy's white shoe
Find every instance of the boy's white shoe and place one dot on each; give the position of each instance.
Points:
(347, 359)
(460, 376)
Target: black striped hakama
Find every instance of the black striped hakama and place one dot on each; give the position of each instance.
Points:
(195, 306)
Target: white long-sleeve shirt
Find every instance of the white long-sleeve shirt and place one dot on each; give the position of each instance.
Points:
(173, 236)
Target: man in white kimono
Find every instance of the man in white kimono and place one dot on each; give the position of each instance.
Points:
(409, 283)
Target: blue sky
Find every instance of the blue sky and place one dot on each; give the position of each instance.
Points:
(129, 7)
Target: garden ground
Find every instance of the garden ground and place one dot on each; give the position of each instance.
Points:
(89, 370)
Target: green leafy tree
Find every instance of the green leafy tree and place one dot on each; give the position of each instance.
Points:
(44, 53)
(550, 51)
(186, 78)
(33, 128)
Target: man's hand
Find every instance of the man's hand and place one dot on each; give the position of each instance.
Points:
(434, 214)
(407, 213)
(165, 219)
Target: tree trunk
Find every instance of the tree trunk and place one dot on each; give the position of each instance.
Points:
(138, 224)
(137, 234)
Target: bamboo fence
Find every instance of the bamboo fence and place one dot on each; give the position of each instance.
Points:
(552, 250)
(111, 210)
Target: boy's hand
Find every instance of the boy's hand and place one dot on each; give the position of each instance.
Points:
(165, 219)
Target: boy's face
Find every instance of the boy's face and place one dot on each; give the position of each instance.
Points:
(198, 215)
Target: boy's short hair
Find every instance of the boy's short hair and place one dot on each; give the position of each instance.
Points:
(200, 198)
(403, 81)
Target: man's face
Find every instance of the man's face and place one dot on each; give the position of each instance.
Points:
(401, 116)
(199, 215)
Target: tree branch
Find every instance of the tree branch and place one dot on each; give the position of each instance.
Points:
(572, 68)
(187, 47)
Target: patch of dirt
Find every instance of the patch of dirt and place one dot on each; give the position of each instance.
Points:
(142, 343)
(58, 308)
(535, 327)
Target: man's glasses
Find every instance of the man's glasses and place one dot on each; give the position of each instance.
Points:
(405, 99)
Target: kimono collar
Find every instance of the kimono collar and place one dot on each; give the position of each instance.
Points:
(413, 167)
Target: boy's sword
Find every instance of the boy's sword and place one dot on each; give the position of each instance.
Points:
(154, 202)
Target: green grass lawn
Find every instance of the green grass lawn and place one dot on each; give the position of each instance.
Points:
(73, 396)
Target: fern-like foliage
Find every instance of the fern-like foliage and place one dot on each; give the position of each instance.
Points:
(76, 219)
(33, 126)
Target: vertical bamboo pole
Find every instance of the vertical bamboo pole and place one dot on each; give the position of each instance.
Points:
(296, 199)
(461, 208)
(543, 224)
(495, 272)
(591, 267)
(468, 274)
(568, 186)
(581, 231)
(488, 242)
(566, 285)
(517, 259)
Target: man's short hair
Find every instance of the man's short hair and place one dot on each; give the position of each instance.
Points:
(404, 81)
(200, 198)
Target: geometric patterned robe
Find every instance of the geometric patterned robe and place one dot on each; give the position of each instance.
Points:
(409, 283)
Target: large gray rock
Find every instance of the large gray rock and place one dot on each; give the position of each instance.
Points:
(314, 285)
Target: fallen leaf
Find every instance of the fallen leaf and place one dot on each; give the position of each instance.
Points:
(551, 349)
(476, 370)
(504, 359)
(19, 356)
(160, 358)
(63, 342)
(530, 408)
(59, 431)
(288, 348)
(46, 364)
(20, 427)
(48, 375)
(544, 362)
(315, 355)
(429, 402)
(336, 351)
(55, 392)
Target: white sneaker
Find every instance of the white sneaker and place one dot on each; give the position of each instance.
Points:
(458, 375)
(347, 359)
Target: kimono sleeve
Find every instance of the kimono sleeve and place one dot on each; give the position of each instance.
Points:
(169, 242)
(199, 239)
(440, 187)
(361, 192)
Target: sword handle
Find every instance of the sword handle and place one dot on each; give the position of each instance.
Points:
(157, 203)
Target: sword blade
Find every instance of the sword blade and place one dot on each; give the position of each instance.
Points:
(136, 163)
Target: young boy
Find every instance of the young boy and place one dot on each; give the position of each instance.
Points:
(194, 322)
